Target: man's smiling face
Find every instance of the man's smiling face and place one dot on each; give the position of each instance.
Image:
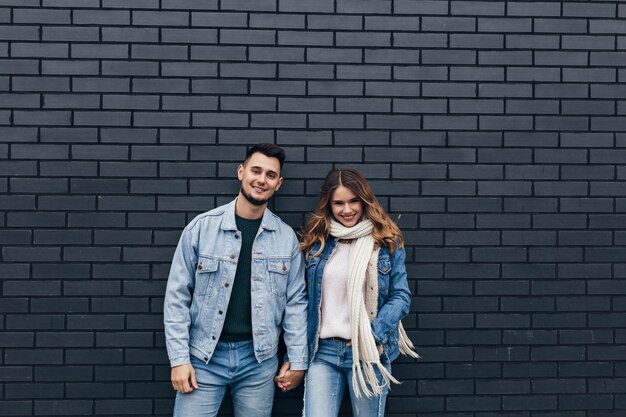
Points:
(260, 178)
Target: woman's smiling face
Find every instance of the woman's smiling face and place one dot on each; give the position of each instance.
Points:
(346, 207)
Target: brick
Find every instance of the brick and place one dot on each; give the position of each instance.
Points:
(537, 402)
(11, 168)
(98, 186)
(51, 237)
(36, 50)
(127, 135)
(417, 204)
(371, 39)
(88, 254)
(189, 4)
(101, 17)
(412, 72)
(106, 118)
(106, 237)
(18, 134)
(179, 136)
(94, 390)
(19, 32)
(64, 101)
(160, 18)
(408, 105)
(159, 52)
(49, 117)
(309, 105)
(129, 68)
(120, 101)
(450, 122)
(449, 188)
(41, 16)
(65, 339)
(60, 304)
(128, 169)
(39, 185)
(158, 119)
(447, 57)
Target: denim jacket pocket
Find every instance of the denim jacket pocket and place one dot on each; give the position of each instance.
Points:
(205, 273)
(384, 268)
(279, 270)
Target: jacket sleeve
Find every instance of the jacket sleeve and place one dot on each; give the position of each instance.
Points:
(295, 319)
(399, 301)
(178, 296)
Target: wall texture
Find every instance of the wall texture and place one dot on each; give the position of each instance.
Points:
(495, 129)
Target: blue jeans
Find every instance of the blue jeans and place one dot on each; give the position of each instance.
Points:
(326, 381)
(233, 366)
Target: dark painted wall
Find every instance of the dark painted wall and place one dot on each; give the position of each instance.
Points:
(494, 129)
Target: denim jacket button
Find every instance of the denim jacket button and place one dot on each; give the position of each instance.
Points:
(232, 256)
(199, 266)
(227, 285)
(220, 312)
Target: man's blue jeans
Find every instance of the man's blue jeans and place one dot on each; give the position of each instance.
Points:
(233, 366)
(326, 381)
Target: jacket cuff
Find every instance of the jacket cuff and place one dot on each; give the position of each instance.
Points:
(378, 339)
(298, 366)
(180, 360)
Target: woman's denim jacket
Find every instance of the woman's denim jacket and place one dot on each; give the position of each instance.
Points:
(201, 280)
(394, 297)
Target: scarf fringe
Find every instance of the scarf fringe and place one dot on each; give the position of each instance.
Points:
(405, 344)
(365, 382)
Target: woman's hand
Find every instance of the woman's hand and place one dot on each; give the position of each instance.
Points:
(288, 379)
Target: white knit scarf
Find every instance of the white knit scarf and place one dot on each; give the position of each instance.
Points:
(365, 354)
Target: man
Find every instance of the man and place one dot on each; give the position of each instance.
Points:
(236, 281)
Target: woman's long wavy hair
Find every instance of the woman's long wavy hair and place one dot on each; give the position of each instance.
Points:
(317, 229)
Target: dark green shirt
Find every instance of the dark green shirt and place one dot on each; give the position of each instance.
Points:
(238, 321)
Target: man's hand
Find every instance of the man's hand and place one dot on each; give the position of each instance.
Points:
(288, 379)
(184, 378)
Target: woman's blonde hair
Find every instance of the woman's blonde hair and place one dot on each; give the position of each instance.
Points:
(385, 232)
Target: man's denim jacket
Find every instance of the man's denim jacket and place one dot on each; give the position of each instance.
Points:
(201, 280)
(394, 297)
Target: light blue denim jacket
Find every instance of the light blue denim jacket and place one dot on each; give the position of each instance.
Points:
(201, 280)
(394, 297)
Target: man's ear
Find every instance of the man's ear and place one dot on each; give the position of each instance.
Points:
(280, 183)
(240, 169)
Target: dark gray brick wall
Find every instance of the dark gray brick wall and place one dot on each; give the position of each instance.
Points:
(494, 131)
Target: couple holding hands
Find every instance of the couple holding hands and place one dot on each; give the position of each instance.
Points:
(240, 277)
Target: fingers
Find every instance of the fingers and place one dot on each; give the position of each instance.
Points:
(184, 378)
(194, 382)
(283, 370)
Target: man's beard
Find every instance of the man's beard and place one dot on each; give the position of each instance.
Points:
(251, 199)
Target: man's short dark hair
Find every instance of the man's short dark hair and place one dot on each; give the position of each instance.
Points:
(268, 149)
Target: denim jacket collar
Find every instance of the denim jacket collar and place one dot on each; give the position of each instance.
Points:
(228, 223)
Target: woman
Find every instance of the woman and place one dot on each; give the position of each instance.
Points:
(358, 292)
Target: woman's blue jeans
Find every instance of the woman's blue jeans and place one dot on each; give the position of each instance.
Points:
(233, 366)
(326, 381)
